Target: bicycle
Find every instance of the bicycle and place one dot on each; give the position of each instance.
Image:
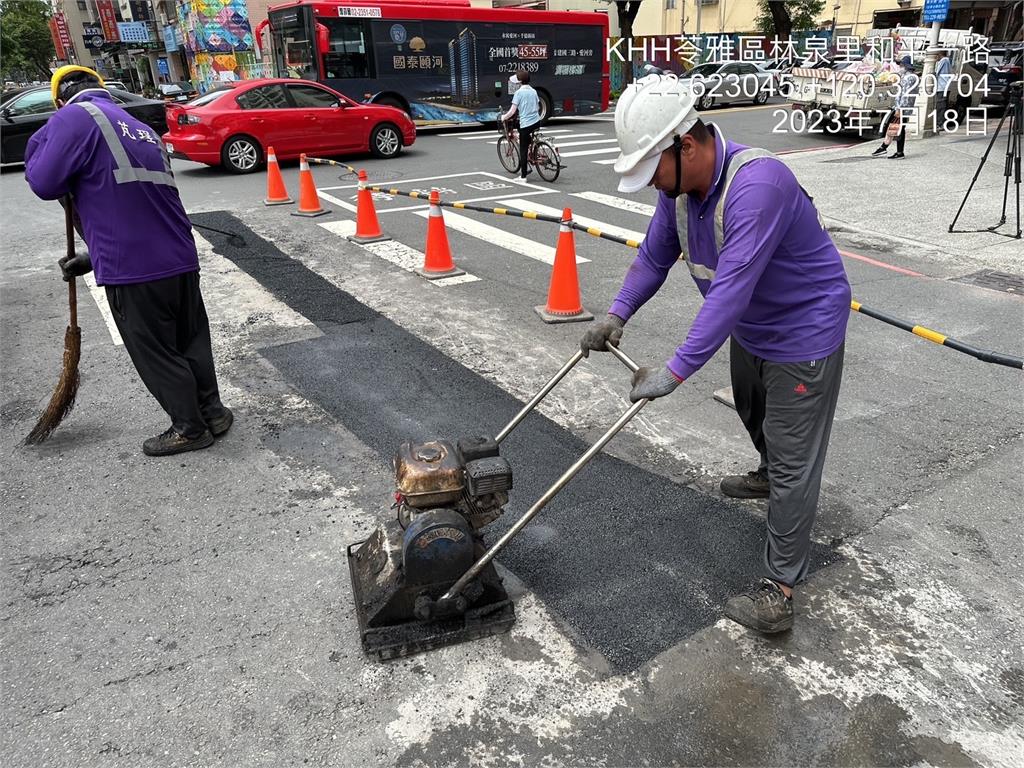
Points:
(543, 155)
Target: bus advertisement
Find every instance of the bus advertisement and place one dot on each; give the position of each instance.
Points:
(444, 61)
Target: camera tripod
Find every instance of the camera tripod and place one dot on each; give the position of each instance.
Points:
(1015, 111)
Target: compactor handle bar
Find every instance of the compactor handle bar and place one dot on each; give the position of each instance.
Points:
(562, 481)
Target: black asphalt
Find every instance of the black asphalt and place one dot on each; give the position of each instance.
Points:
(630, 561)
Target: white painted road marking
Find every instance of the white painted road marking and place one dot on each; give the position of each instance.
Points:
(620, 203)
(499, 237)
(397, 253)
(584, 152)
(611, 229)
(99, 295)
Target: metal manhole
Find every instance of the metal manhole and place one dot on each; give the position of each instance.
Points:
(997, 281)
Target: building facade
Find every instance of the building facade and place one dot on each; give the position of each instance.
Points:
(998, 19)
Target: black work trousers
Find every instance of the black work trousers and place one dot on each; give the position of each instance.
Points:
(788, 409)
(164, 327)
(525, 137)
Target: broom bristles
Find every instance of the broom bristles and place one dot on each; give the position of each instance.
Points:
(63, 399)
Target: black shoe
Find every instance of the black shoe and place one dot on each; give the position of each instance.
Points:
(882, 150)
(764, 608)
(753, 485)
(897, 156)
(170, 442)
(222, 423)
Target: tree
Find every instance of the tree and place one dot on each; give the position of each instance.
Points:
(25, 39)
(626, 11)
(781, 17)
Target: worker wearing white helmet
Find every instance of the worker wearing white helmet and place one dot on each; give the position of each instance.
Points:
(772, 280)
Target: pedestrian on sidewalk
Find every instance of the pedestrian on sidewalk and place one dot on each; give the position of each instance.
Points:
(525, 103)
(772, 280)
(119, 178)
(895, 125)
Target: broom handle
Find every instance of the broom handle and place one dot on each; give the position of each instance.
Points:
(69, 225)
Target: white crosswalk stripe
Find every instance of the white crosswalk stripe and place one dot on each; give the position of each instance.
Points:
(397, 253)
(496, 136)
(611, 229)
(500, 238)
(561, 144)
(605, 162)
(585, 152)
(558, 141)
(619, 203)
(99, 295)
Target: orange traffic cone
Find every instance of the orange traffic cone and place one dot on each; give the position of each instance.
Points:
(437, 260)
(564, 305)
(309, 203)
(367, 226)
(276, 192)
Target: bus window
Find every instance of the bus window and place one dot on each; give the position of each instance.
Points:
(293, 45)
(350, 47)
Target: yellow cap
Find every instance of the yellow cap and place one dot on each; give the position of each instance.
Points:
(66, 70)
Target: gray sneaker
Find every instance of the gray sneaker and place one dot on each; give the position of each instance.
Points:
(753, 485)
(170, 443)
(764, 608)
(222, 423)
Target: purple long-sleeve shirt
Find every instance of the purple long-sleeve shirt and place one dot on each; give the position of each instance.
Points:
(136, 230)
(779, 284)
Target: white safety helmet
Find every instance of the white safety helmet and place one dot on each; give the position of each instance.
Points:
(649, 114)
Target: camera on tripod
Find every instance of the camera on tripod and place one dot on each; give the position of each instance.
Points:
(1012, 165)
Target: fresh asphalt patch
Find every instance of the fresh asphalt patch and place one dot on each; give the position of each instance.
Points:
(631, 562)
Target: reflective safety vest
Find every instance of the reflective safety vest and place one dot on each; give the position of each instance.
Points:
(737, 161)
(126, 172)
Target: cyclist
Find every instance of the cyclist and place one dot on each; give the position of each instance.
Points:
(525, 103)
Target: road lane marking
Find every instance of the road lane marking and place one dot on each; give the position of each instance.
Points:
(585, 152)
(99, 295)
(611, 229)
(499, 237)
(396, 253)
(585, 143)
(620, 203)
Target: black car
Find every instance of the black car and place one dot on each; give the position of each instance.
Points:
(178, 92)
(24, 111)
(1004, 67)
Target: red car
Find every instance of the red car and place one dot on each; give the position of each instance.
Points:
(233, 126)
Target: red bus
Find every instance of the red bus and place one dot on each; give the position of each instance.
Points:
(443, 61)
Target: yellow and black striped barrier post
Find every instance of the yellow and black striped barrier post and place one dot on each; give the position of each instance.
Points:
(322, 161)
(985, 355)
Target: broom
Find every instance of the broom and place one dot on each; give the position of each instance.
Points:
(63, 399)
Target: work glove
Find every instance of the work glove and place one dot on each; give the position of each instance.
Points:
(649, 383)
(75, 266)
(601, 331)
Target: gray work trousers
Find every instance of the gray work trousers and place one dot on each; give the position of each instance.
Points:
(788, 408)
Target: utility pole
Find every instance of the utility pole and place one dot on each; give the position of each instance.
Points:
(928, 87)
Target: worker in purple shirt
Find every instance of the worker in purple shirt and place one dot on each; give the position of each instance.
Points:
(117, 173)
(772, 280)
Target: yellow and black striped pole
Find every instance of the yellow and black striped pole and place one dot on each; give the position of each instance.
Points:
(985, 355)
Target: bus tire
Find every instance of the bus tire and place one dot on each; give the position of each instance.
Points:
(241, 154)
(545, 107)
(385, 141)
(393, 101)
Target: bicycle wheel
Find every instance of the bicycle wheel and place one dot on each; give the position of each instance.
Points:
(546, 161)
(508, 154)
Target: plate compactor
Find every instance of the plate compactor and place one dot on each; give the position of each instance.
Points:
(425, 579)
